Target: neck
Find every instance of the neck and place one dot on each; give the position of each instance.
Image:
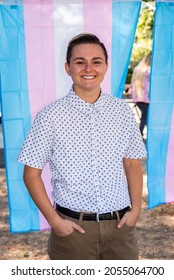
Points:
(88, 96)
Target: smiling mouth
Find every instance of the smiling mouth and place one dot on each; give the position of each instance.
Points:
(88, 77)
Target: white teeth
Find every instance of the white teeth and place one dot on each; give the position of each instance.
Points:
(89, 77)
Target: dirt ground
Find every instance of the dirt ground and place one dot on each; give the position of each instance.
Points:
(155, 228)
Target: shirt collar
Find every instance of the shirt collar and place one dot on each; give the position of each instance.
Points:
(84, 106)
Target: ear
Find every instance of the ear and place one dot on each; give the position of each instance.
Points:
(67, 69)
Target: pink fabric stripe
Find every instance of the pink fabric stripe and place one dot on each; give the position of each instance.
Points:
(40, 53)
(98, 20)
(170, 166)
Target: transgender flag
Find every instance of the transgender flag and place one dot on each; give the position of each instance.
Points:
(33, 39)
(160, 164)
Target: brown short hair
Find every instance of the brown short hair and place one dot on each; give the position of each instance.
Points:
(84, 38)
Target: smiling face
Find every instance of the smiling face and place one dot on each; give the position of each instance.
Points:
(87, 69)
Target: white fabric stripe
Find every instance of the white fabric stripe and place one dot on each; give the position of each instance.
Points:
(68, 21)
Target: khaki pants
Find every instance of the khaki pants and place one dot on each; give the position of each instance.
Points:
(101, 241)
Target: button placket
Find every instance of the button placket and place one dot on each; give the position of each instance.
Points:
(94, 157)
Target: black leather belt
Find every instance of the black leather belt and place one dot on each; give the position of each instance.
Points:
(93, 216)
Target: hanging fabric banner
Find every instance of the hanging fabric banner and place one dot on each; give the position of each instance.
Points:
(160, 163)
(33, 39)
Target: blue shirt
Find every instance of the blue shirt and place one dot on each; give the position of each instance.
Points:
(85, 145)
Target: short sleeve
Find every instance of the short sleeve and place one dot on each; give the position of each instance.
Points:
(36, 150)
(135, 148)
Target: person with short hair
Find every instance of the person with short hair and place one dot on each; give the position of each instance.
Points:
(94, 148)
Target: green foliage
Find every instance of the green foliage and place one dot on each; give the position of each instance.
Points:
(143, 38)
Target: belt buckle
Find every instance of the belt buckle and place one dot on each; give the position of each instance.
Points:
(98, 215)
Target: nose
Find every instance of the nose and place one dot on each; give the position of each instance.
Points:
(88, 66)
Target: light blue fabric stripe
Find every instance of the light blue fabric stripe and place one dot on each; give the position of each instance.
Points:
(125, 17)
(15, 115)
(167, 1)
(161, 102)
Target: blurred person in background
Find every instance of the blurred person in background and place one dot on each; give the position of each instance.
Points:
(140, 89)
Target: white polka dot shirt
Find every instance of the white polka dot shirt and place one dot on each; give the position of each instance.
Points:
(85, 145)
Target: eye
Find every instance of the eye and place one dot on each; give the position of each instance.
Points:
(80, 62)
(97, 62)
